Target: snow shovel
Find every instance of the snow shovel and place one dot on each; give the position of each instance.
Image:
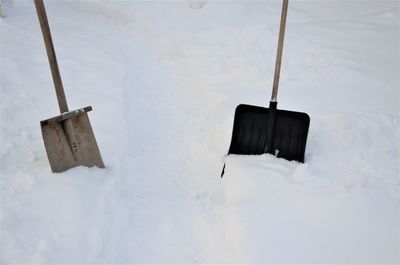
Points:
(259, 130)
(68, 138)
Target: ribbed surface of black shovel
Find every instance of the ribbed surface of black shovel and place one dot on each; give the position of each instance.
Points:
(258, 130)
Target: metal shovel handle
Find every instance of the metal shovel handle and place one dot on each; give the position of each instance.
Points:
(51, 55)
(280, 50)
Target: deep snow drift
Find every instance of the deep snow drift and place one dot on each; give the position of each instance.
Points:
(164, 79)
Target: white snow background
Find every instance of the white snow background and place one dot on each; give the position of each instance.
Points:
(164, 79)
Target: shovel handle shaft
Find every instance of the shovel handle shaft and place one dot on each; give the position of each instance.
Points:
(51, 54)
(279, 51)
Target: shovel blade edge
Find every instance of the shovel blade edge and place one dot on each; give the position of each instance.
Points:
(250, 127)
(69, 141)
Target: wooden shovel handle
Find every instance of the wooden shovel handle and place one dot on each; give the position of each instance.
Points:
(51, 54)
(279, 52)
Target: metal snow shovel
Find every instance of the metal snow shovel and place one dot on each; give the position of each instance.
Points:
(258, 130)
(68, 138)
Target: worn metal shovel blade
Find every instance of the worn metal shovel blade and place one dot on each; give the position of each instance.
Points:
(70, 141)
(250, 128)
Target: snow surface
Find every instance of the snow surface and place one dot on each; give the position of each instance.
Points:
(164, 79)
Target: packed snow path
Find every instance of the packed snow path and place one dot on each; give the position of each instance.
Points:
(164, 80)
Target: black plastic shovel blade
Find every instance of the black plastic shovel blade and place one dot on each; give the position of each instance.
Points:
(288, 136)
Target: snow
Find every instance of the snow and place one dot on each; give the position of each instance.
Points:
(164, 79)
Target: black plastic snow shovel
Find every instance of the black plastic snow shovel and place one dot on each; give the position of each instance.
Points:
(68, 138)
(259, 130)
